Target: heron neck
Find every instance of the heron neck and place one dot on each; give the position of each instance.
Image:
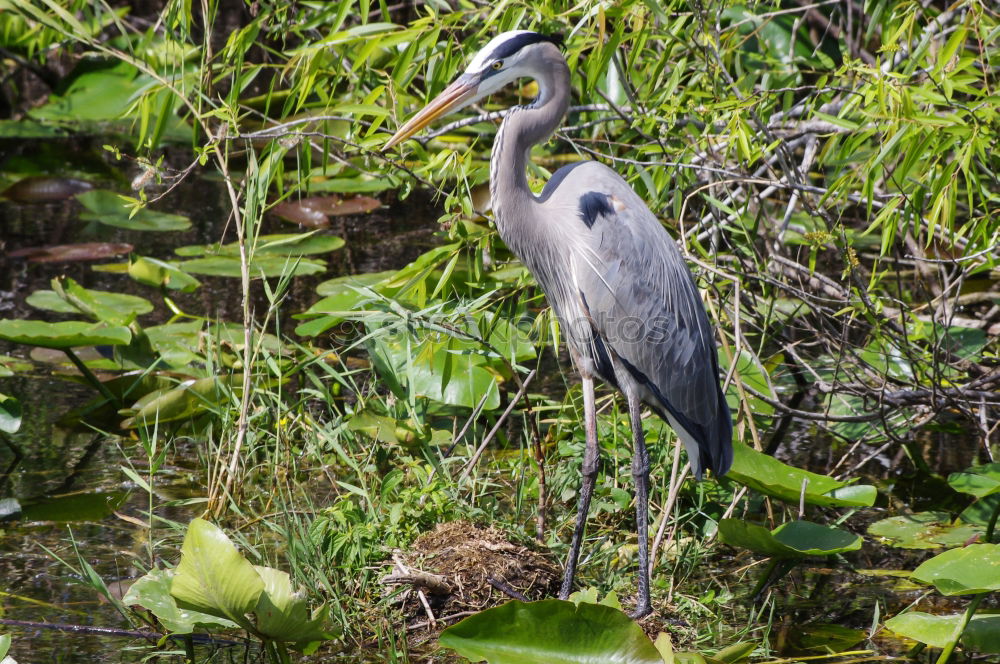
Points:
(523, 127)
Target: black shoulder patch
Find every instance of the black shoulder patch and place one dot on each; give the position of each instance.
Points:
(516, 43)
(592, 204)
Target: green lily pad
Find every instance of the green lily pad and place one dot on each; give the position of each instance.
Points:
(551, 631)
(154, 272)
(981, 634)
(923, 530)
(152, 592)
(752, 374)
(771, 477)
(795, 539)
(981, 511)
(980, 481)
(68, 334)
(969, 570)
(261, 266)
(109, 208)
(284, 244)
(114, 308)
(213, 577)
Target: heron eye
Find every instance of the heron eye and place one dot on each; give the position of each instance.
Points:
(498, 64)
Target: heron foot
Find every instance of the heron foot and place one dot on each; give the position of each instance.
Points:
(641, 611)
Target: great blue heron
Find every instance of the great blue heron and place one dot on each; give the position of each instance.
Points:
(625, 299)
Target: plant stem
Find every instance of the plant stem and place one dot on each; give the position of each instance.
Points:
(969, 612)
(991, 526)
(91, 378)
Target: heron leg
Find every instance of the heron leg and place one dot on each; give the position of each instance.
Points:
(590, 457)
(640, 473)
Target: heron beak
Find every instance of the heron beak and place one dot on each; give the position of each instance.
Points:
(457, 95)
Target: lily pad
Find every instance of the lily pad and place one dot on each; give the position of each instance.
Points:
(154, 272)
(118, 308)
(152, 592)
(771, 477)
(44, 189)
(262, 266)
(109, 208)
(68, 334)
(551, 631)
(982, 633)
(795, 539)
(69, 253)
(980, 481)
(968, 570)
(923, 530)
(10, 414)
(284, 244)
(186, 400)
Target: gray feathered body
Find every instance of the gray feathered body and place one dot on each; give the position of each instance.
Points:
(626, 300)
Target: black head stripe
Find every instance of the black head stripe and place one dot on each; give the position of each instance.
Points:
(516, 43)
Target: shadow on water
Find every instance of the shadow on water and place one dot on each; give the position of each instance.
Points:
(72, 494)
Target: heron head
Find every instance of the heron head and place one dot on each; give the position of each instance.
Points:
(506, 58)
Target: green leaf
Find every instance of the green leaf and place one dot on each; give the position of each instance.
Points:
(284, 244)
(982, 633)
(186, 400)
(109, 208)
(152, 592)
(283, 614)
(213, 577)
(972, 569)
(154, 272)
(980, 481)
(551, 631)
(10, 414)
(68, 334)
(771, 477)
(923, 530)
(795, 539)
(114, 308)
(261, 266)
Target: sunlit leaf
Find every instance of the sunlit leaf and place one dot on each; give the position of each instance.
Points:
(10, 414)
(68, 334)
(793, 539)
(972, 569)
(923, 530)
(152, 592)
(107, 207)
(980, 481)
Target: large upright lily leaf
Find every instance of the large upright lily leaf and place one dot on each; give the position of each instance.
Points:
(971, 569)
(213, 577)
(283, 614)
(980, 481)
(152, 592)
(771, 477)
(551, 631)
(67, 334)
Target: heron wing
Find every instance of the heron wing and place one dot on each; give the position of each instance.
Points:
(646, 310)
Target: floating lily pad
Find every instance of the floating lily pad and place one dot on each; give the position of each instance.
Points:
(923, 530)
(315, 211)
(551, 631)
(109, 208)
(980, 481)
(186, 400)
(68, 334)
(262, 266)
(69, 253)
(968, 570)
(118, 307)
(44, 189)
(982, 633)
(794, 539)
(286, 244)
(154, 272)
(771, 477)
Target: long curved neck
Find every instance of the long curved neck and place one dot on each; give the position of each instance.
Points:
(523, 127)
